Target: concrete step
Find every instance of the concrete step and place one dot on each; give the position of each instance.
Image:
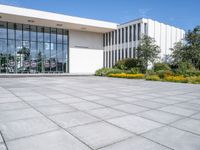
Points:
(42, 75)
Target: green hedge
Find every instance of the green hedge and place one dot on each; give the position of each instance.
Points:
(161, 66)
(107, 71)
(128, 64)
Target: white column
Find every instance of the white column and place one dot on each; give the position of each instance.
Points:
(117, 45)
(128, 50)
(104, 51)
(114, 48)
(136, 39)
(124, 45)
(132, 40)
(111, 48)
(120, 43)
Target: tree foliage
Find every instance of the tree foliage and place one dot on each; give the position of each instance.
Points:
(148, 51)
(189, 51)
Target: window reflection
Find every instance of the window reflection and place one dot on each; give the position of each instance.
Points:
(32, 49)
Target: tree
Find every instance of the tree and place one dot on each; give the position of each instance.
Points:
(147, 51)
(193, 46)
(188, 52)
(178, 53)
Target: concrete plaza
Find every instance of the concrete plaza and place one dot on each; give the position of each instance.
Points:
(94, 113)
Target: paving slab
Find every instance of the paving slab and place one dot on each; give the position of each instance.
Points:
(188, 124)
(70, 100)
(2, 147)
(108, 102)
(9, 99)
(149, 104)
(135, 124)
(45, 102)
(165, 101)
(13, 106)
(71, 119)
(100, 134)
(86, 106)
(136, 143)
(129, 108)
(196, 116)
(1, 139)
(23, 128)
(174, 138)
(55, 109)
(34, 98)
(12, 115)
(92, 97)
(178, 110)
(191, 106)
(58, 140)
(106, 113)
(160, 116)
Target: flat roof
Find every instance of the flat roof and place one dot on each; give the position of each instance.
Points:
(42, 18)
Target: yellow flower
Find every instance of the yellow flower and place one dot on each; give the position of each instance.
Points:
(181, 79)
(129, 76)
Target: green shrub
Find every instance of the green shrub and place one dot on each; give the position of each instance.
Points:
(150, 72)
(183, 67)
(127, 64)
(189, 73)
(152, 77)
(107, 71)
(161, 66)
(164, 73)
(135, 70)
(194, 79)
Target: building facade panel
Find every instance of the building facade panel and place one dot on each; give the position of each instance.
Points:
(85, 51)
(130, 34)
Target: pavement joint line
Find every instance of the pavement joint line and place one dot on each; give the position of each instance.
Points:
(133, 104)
(117, 142)
(4, 142)
(58, 125)
(184, 130)
(33, 135)
(157, 142)
(139, 134)
(106, 121)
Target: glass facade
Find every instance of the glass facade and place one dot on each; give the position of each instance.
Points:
(32, 49)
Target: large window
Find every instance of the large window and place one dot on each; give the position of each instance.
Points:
(139, 31)
(134, 33)
(126, 34)
(32, 49)
(130, 33)
(122, 35)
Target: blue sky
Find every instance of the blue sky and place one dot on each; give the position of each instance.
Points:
(181, 13)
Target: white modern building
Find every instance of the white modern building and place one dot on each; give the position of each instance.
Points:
(33, 41)
(123, 42)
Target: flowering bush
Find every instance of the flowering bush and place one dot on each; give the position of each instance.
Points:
(164, 73)
(107, 71)
(180, 79)
(194, 79)
(153, 77)
(129, 76)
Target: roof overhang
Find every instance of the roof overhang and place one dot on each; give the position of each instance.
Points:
(41, 18)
